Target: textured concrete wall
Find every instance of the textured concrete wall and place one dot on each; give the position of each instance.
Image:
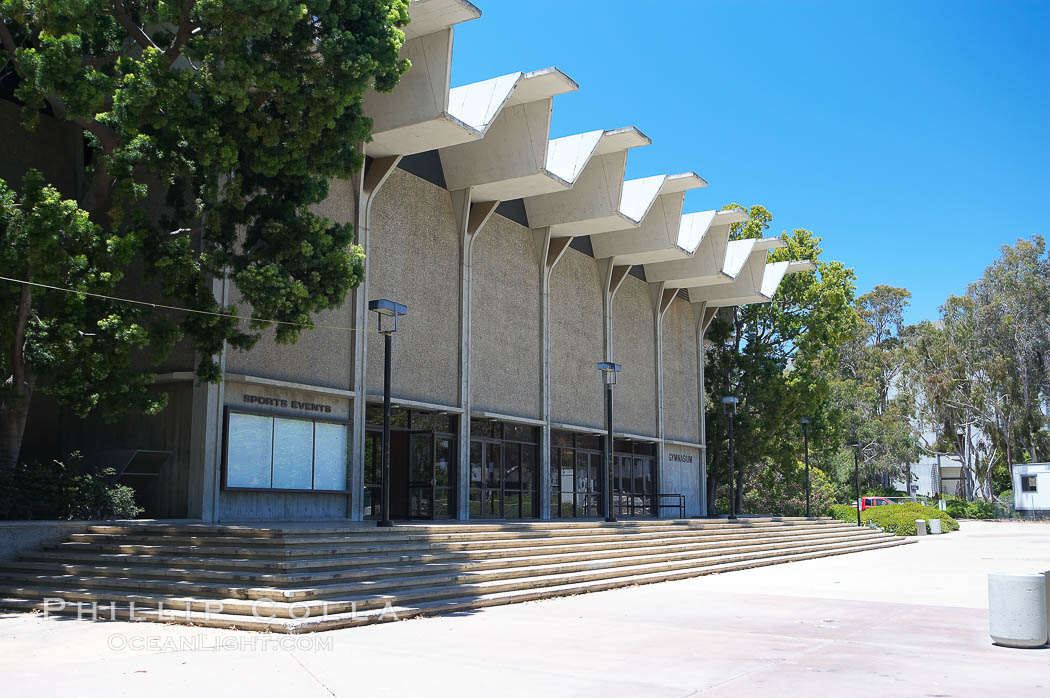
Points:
(321, 356)
(505, 333)
(634, 348)
(680, 473)
(576, 341)
(415, 261)
(681, 406)
(17, 537)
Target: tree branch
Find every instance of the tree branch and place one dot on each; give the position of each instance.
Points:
(184, 31)
(133, 29)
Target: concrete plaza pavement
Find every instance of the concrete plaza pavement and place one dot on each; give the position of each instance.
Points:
(903, 621)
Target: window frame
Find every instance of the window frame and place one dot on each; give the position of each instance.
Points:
(1032, 477)
(231, 410)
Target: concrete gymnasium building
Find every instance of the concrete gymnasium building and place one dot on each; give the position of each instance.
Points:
(523, 261)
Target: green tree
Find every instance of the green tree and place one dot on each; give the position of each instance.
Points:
(983, 371)
(776, 357)
(212, 127)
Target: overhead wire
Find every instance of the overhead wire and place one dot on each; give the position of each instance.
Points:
(176, 308)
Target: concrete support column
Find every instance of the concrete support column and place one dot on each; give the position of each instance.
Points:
(548, 251)
(613, 276)
(206, 434)
(470, 220)
(703, 316)
(367, 183)
(661, 297)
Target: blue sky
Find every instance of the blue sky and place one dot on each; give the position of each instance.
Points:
(914, 137)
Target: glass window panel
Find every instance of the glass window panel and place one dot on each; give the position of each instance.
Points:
(475, 503)
(511, 502)
(249, 450)
(331, 456)
(561, 438)
(583, 483)
(369, 502)
(512, 466)
(589, 441)
(420, 502)
(649, 478)
(373, 458)
(481, 427)
(441, 458)
(492, 505)
(421, 463)
(475, 463)
(293, 450)
(442, 501)
(640, 465)
(528, 467)
(528, 510)
(493, 469)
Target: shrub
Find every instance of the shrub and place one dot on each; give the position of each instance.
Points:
(956, 508)
(54, 490)
(900, 519)
(896, 519)
(980, 509)
(844, 512)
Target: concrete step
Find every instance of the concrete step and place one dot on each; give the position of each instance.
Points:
(369, 593)
(181, 582)
(116, 545)
(395, 554)
(370, 567)
(403, 534)
(121, 610)
(342, 526)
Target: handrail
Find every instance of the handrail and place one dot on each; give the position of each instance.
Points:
(680, 505)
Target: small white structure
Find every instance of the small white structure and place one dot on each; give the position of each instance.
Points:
(1031, 483)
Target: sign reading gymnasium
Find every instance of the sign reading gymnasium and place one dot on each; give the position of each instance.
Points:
(679, 457)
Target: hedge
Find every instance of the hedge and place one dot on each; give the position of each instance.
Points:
(898, 519)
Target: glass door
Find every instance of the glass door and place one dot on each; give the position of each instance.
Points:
(421, 475)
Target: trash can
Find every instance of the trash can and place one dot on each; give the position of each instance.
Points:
(935, 526)
(920, 527)
(1017, 610)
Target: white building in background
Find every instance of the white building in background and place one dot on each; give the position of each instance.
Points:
(1031, 483)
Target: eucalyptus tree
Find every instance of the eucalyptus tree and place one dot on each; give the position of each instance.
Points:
(211, 127)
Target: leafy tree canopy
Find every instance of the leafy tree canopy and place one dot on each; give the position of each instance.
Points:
(212, 126)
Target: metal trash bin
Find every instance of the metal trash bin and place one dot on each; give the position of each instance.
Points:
(1017, 609)
(920, 527)
(935, 526)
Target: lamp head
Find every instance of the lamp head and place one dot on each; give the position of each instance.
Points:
(609, 370)
(384, 307)
(804, 421)
(729, 403)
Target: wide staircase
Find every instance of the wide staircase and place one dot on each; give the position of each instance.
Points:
(306, 577)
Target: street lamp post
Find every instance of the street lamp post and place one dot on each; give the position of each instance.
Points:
(729, 404)
(805, 437)
(386, 308)
(856, 473)
(608, 370)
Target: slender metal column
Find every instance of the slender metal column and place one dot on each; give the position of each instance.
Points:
(856, 476)
(732, 470)
(805, 439)
(387, 345)
(606, 476)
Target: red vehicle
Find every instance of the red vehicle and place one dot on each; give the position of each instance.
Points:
(869, 502)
